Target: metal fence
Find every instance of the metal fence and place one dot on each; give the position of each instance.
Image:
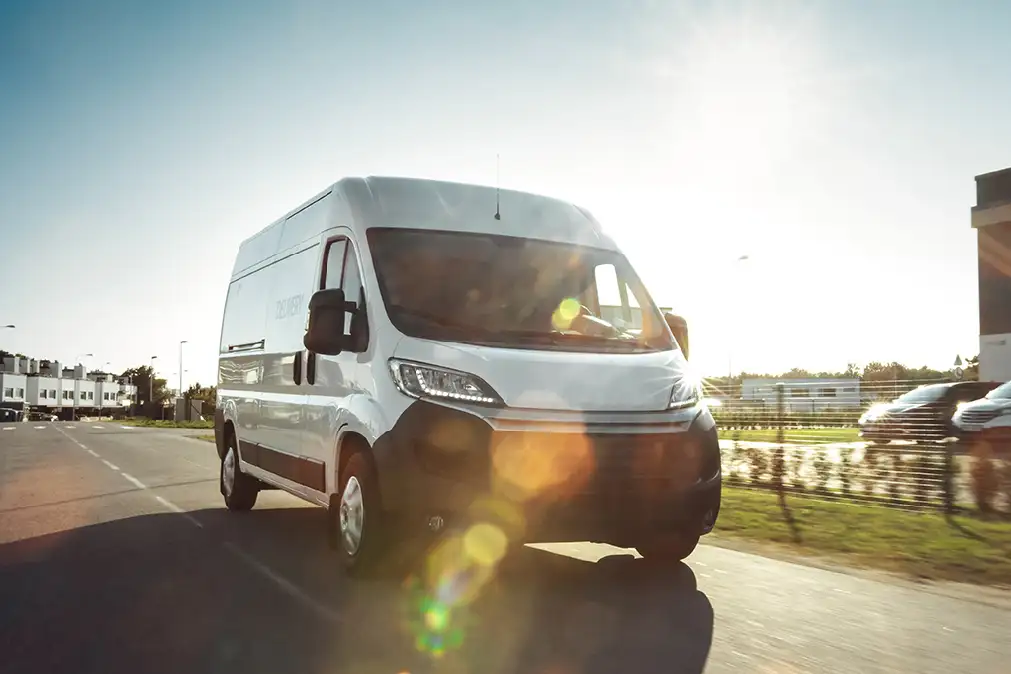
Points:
(797, 437)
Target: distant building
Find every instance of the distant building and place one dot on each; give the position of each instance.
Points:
(26, 382)
(991, 218)
(802, 395)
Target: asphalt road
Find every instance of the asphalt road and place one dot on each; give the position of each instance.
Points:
(116, 555)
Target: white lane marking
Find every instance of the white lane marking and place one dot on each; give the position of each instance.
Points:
(70, 437)
(129, 428)
(10, 428)
(92, 452)
(280, 581)
(134, 481)
(40, 428)
(98, 426)
(284, 584)
(110, 465)
(176, 509)
(70, 427)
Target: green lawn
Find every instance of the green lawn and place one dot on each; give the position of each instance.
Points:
(158, 423)
(794, 435)
(924, 545)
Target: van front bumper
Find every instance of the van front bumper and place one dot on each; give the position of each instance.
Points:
(574, 484)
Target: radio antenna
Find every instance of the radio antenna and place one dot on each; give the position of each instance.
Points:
(498, 188)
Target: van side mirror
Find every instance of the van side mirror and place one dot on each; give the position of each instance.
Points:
(679, 326)
(324, 332)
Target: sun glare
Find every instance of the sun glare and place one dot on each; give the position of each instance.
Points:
(746, 89)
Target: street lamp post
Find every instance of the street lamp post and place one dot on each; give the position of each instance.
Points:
(181, 367)
(730, 347)
(150, 383)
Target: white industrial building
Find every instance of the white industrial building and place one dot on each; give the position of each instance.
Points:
(48, 386)
(802, 395)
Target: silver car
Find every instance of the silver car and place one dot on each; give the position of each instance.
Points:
(989, 417)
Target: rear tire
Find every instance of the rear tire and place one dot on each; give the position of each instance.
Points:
(240, 490)
(668, 549)
(356, 519)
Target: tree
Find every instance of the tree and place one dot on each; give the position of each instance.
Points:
(971, 371)
(151, 391)
(209, 394)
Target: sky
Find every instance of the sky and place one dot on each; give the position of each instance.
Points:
(832, 143)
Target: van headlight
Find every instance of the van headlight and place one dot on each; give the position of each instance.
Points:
(429, 381)
(686, 393)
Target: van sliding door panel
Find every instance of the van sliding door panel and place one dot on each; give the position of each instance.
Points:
(282, 397)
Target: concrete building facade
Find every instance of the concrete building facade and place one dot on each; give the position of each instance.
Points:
(991, 218)
(48, 386)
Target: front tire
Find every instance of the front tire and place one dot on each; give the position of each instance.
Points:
(668, 549)
(356, 518)
(240, 490)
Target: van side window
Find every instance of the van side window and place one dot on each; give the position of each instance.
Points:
(334, 264)
(616, 302)
(352, 284)
(355, 292)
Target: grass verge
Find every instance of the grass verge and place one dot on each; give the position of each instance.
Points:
(923, 545)
(159, 423)
(208, 438)
(800, 436)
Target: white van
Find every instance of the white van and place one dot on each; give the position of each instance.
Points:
(417, 355)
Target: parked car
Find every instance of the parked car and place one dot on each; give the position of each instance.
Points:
(924, 414)
(36, 415)
(456, 369)
(8, 414)
(987, 418)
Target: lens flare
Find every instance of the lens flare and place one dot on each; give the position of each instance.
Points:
(567, 311)
(485, 544)
(457, 570)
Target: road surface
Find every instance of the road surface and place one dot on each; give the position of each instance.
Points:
(116, 555)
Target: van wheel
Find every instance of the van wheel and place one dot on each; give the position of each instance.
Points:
(668, 549)
(356, 519)
(240, 490)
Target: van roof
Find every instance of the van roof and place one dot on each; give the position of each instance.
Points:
(397, 202)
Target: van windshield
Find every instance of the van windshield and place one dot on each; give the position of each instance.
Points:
(509, 291)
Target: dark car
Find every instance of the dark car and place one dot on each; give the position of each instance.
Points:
(923, 415)
(10, 414)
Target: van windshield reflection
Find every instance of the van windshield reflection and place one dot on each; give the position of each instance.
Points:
(509, 291)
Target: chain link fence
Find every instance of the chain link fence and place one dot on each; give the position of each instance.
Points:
(885, 442)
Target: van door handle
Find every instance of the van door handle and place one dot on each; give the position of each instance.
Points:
(296, 368)
(310, 368)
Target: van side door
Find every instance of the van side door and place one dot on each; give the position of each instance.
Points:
(332, 380)
(281, 390)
